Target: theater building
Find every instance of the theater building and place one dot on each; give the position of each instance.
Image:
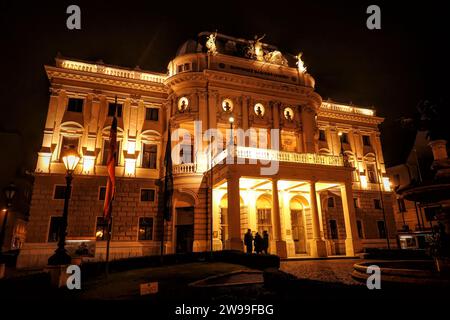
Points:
(329, 194)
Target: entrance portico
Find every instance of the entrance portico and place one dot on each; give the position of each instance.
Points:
(287, 205)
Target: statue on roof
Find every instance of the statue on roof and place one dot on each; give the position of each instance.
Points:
(276, 57)
(259, 52)
(211, 43)
(300, 64)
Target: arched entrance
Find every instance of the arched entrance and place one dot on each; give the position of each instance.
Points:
(184, 223)
(264, 214)
(297, 207)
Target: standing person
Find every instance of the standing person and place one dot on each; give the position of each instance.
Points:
(265, 242)
(258, 243)
(248, 241)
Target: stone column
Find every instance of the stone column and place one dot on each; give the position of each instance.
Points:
(317, 244)
(234, 213)
(352, 242)
(278, 235)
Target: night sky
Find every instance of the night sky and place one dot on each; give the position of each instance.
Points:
(391, 69)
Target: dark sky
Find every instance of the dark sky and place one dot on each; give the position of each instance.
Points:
(391, 69)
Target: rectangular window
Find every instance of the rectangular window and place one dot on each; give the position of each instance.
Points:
(322, 136)
(401, 205)
(101, 193)
(75, 105)
(372, 173)
(106, 152)
(55, 228)
(186, 152)
(60, 192)
(187, 67)
(152, 114)
(366, 140)
(264, 218)
(145, 229)
(344, 137)
(68, 143)
(381, 230)
(377, 203)
(333, 229)
(101, 229)
(359, 226)
(356, 203)
(330, 202)
(114, 109)
(147, 195)
(149, 156)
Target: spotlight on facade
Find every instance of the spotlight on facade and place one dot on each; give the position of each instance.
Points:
(340, 133)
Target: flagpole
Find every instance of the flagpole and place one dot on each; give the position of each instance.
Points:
(112, 157)
(108, 241)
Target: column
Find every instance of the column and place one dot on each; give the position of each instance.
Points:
(278, 235)
(234, 214)
(317, 244)
(352, 242)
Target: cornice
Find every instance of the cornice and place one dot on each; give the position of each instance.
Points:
(134, 84)
(350, 117)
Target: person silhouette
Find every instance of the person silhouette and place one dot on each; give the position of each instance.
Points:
(248, 241)
(265, 242)
(258, 243)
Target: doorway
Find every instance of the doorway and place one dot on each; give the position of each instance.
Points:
(184, 229)
(298, 231)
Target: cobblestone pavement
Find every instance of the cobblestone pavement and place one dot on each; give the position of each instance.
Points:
(338, 270)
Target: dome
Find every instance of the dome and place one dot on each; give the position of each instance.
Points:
(189, 46)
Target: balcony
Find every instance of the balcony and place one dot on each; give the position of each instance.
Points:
(184, 168)
(275, 155)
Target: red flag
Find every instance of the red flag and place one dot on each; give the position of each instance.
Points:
(111, 166)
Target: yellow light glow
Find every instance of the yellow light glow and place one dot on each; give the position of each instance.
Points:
(231, 119)
(43, 163)
(88, 164)
(363, 180)
(71, 159)
(387, 184)
(130, 167)
(131, 147)
(340, 133)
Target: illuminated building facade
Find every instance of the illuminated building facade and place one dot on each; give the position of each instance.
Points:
(317, 203)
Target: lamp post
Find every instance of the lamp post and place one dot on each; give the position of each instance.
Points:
(60, 257)
(10, 192)
(344, 156)
(231, 121)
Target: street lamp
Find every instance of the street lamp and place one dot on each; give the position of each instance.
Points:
(231, 121)
(60, 257)
(10, 192)
(344, 156)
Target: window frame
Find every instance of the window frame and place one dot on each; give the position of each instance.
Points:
(49, 228)
(147, 201)
(64, 186)
(384, 228)
(152, 227)
(105, 228)
(362, 235)
(75, 98)
(150, 111)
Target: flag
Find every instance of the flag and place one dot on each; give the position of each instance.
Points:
(111, 167)
(168, 179)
